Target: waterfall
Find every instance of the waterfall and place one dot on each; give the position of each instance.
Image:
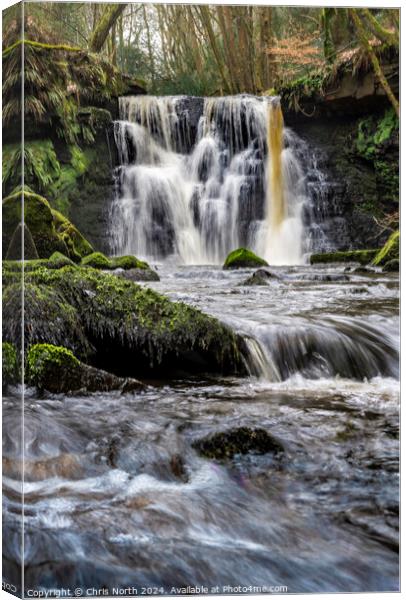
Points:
(198, 178)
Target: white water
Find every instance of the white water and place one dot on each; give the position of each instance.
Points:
(197, 194)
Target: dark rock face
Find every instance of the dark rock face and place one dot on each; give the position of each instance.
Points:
(241, 440)
(347, 201)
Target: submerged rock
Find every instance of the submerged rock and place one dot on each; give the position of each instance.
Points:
(56, 369)
(117, 325)
(243, 259)
(241, 440)
(260, 277)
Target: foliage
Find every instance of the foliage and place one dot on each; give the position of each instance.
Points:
(243, 258)
(10, 368)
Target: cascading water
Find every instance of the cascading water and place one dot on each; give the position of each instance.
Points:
(199, 178)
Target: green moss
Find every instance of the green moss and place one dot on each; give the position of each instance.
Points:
(363, 257)
(10, 369)
(37, 217)
(14, 249)
(128, 262)
(97, 260)
(124, 324)
(51, 231)
(389, 252)
(44, 362)
(58, 260)
(77, 245)
(243, 258)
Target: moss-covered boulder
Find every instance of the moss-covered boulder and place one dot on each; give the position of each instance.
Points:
(133, 268)
(242, 440)
(389, 252)
(57, 370)
(77, 245)
(117, 325)
(243, 259)
(51, 232)
(96, 260)
(14, 249)
(363, 257)
(10, 370)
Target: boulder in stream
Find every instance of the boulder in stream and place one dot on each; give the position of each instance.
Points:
(241, 440)
(117, 325)
(242, 258)
(260, 277)
(56, 369)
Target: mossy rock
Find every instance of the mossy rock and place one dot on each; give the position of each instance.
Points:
(363, 257)
(58, 260)
(14, 249)
(55, 261)
(137, 270)
(242, 440)
(51, 232)
(128, 262)
(77, 245)
(243, 259)
(96, 260)
(389, 252)
(117, 325)
(56, 369)
(10, 369)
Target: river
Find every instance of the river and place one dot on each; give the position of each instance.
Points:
(116, 495)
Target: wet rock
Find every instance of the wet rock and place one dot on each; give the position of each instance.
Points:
(50, 230)
(139, 275)
(392, 266)
(241, 440)
(243, 259)
(57, 370)
(362, 270)
(260, 277)
(178, 469)
(361, 256)
(117, 325)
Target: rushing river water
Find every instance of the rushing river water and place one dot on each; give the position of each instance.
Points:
(116, 495)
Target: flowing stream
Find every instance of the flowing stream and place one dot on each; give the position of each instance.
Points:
(116, 495)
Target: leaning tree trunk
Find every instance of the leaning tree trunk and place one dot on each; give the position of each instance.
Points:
(106, 22)
(363, 38)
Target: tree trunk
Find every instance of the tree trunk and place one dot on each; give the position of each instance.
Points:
(106, 22)
(363, 38)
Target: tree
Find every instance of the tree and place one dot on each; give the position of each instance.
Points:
(366, 44)
(109, 17)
